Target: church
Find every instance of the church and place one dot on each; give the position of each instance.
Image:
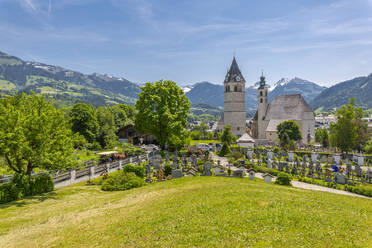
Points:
(268, 115)
(282, 108)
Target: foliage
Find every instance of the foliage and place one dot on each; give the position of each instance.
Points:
(288, 134)
(138, 170)
(167, 170)
(345, 132)
(84, 121)
(34, 134)
(107, 128)
(283, 179)
(24, 185)
(227, 136)
(235, 154)
(322, 137)
(162, 111)
(122, 181)
(368, 147)
(225, 149)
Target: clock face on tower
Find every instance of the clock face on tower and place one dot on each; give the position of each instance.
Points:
(237, 78)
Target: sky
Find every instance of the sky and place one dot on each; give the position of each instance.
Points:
(323, 41)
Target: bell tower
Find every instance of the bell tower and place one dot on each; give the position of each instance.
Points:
(262, 106)
(234, 100)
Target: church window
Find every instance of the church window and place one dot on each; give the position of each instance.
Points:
(237, 128)
(260, 100)
(235, 88)
(260, 93)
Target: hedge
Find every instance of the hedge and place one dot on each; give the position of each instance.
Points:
(22, 185)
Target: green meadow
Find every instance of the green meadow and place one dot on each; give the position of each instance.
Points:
(188, 212)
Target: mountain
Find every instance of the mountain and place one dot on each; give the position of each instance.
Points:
(62, 84)
(212, 94)
(340, 94)
(285, 86)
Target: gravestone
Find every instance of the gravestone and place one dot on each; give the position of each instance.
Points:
(177, 173)
(360, 160)
(207, 169)
(318, 169)
(369, 175)
(348, 169)
(270, 155)
(251, 173)
(280, 166)
(267, 178)
(217, 170)
(238, 173)
(290, 156)
(269, 164)
(337, 158)
(340, 178)
(314, 157)
(358, 171)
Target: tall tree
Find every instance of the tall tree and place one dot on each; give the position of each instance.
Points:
(34, 134)
(83, 118)
(227, 137)
(162, 112)
(107, 128)
(347, 133)
(322, 137)
(288, 133)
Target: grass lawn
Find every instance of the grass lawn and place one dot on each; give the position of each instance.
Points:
(199, 211)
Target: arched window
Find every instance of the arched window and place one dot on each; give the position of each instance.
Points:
(235, 88)
(260, 100)
(228, 88)
(260, 93)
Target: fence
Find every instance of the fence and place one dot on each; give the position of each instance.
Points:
(86, 173)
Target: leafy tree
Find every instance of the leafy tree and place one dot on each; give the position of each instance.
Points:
(83, 118)
(162, 112)
(120, 116)
(288, 133)
(322, 137)
(203, 128)
(34, 134)
(107, 129)
(368, 147)
(225, 149)
(195, 135)
(347, 132)
(227, 136)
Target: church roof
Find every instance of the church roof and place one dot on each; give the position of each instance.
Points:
(287, 107)
(273, 123)
(246, 138)
(234, 72)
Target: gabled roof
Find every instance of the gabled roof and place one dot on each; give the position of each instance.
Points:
(245, 138)
(287, 107)
(234, 72)
(273, 123)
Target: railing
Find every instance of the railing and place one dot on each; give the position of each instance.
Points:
(73, 176)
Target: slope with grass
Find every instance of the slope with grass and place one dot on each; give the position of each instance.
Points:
(199, 211)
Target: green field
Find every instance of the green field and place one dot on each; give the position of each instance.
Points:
(199, 212)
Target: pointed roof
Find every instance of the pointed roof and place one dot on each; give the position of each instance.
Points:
(234, 72)
(245, 138)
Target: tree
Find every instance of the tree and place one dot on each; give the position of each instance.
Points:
(288, 134)
(322, 137)
(162, 112)
(347, 133)
(227, 136)
(83, 118)
(203, 128)
(34, 134)
(120, 116)
(225, 149)
(107, 129)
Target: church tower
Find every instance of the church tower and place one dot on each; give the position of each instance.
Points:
(262, 107)
(234, 100)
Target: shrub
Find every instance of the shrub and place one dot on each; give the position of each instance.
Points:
(167, 170)
(22, 185)
(9, 192)
(225, 149)
(283, 179)
(136, 169)
(122, 181)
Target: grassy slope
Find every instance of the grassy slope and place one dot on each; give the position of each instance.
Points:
(209, 212)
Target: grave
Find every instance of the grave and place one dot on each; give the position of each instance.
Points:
(177, 173)
(251, 173)
(207, 169)
(267, 178)
(290, 156)
(360, 160)
(239, 173)
(340, 178)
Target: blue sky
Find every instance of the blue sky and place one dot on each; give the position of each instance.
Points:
(324, 41)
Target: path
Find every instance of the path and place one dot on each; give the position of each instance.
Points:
(296, 184)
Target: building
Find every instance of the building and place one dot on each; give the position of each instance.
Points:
(324, 121)
(245, 141)
(234, 101)
(282, 108)
(129, 134)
